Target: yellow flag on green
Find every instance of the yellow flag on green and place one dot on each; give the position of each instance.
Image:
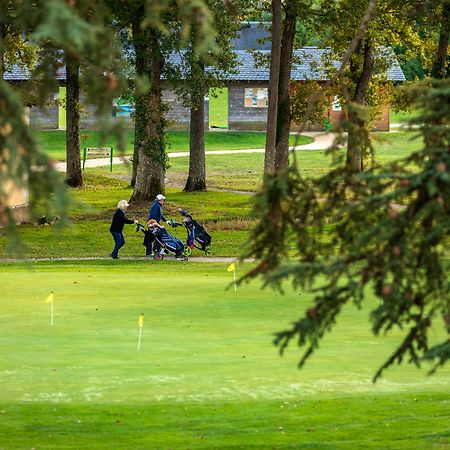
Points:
(49, 299)
(141, 320)
(231, 267)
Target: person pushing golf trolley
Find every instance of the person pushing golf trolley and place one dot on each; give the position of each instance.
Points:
(155, 213)
(163, 242)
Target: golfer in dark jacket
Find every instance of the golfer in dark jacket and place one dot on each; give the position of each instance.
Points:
(156, 209)
(156, 214)
(116, 228)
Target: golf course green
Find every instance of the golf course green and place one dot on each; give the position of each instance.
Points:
(206, 374)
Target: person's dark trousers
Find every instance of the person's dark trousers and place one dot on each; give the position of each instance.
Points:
(156, 247)
(119, 242)
(149, 244)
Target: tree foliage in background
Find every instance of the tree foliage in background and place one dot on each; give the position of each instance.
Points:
(152, 30)
(51, 26)
(392, 23)
(196, 74)
(387, 231)
(301, 93)
(50, 29)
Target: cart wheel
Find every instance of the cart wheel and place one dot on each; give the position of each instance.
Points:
(187, 251)
(207, 251)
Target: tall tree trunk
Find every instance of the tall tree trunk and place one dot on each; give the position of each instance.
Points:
(74, 177)
(284, 106)
(149, 123)
(269, 159)
(356, 141)
(197, 168)
(135, 160)
(2, 52)
(440, 66)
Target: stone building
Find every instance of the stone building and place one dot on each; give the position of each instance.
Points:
(245, 91)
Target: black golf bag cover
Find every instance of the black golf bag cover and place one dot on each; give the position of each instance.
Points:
(197, 233)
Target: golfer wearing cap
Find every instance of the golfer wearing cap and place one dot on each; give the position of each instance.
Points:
(116, 228)
(156, 213)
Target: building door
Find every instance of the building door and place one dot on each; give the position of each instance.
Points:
(218, 108)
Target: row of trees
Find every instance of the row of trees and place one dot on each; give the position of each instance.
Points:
(363, 228)
(154, 32)
(86, 38)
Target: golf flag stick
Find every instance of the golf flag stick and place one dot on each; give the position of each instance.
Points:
(50, 299)
(232, 268)
(141, 325)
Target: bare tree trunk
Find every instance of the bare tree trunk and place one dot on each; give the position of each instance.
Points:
(74, 177)
(440, 66)
(356, 141)
(269, 159)
(284, 107)
(197, 168)
(150, 123)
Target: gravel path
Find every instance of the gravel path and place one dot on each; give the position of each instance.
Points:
(224, 259)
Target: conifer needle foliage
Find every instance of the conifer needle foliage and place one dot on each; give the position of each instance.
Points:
(386, 229)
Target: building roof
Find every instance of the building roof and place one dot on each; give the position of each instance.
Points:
(18, 73)
(309, 63)
(253, 36)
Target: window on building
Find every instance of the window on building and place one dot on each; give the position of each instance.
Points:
(256, 97)
(336, 104)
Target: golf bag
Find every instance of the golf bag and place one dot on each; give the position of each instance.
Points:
(165, 242)
(197, 236)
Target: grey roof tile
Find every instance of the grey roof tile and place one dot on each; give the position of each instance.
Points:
(18, 73)
(307, 65)
(253, 36)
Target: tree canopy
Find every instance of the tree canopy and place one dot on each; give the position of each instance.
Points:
(385, 229)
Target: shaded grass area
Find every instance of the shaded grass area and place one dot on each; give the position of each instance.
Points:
(54, 142)
(379, 421)
(206, 376)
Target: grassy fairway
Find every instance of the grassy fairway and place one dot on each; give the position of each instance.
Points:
(224, 213)
(206, 376)
(54, 142)
(244, 171)
(403, 116)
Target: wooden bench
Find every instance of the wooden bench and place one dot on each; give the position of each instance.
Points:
(98, 152)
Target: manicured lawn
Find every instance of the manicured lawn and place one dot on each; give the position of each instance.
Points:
(54, 142)
(224, 214)
(403, 116)
(243, 172)
(206, 376)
